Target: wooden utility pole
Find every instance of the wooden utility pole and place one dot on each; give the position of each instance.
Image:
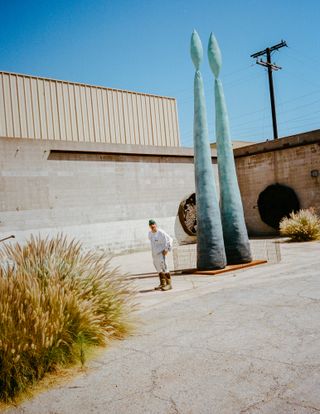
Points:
(270, 66)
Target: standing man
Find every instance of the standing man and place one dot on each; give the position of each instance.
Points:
(161, 244)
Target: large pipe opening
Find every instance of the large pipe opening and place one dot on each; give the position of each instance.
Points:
(275, 202)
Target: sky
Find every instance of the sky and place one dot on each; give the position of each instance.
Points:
(144, 46)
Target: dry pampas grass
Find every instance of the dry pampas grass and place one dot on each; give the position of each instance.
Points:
(301, 226)
(56, 301)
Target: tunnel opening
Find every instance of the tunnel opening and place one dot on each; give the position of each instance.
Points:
(275, 202)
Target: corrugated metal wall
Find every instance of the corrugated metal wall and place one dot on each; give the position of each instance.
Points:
(32, 107)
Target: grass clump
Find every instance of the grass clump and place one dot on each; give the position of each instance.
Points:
(56, 301)
(301, 226)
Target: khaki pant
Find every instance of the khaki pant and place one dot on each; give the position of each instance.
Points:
(160, 263)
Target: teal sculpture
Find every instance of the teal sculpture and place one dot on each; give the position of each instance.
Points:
(235, 234)
(210, 247)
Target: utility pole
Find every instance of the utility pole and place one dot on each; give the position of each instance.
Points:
(270, 66)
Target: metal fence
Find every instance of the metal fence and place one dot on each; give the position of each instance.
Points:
(185, 256)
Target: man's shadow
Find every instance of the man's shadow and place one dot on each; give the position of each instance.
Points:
(151, 275)
(147, 290)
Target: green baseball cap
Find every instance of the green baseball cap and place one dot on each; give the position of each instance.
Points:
(151, 221)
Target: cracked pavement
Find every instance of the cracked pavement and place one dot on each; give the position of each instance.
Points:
(241, 342)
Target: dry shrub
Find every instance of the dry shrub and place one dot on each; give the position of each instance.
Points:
(301, 226)
(55, 302)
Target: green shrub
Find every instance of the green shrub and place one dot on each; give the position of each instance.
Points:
(56, 301)
(301, 226)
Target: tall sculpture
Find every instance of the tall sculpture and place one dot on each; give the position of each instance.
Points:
(234, 228)
(210, 247)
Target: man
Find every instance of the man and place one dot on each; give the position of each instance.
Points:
(161, 244)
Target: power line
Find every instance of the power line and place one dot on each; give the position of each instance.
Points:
(186, 91)
(307, 119)
(242, 128)
(281, 112)
(288, 101)
(298, 128)
(209, 89)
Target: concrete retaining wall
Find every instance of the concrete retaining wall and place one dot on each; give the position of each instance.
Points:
(102, 194)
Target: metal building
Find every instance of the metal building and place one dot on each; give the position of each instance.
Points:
(48, 109)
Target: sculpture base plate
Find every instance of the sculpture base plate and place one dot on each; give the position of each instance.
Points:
(229, 268)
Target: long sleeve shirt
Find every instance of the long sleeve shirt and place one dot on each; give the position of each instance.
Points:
(160, 241)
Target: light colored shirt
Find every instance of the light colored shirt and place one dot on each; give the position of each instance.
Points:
(160, 241)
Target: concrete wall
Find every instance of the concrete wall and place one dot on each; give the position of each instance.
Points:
(102, 194)
(287, 161)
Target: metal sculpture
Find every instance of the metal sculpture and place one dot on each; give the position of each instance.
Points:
(210, 247)
(235, 234)
(188, 215)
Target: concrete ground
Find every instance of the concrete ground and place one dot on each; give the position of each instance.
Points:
(242, 342)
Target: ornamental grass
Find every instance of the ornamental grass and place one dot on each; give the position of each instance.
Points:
(56, 301)
(301, 226)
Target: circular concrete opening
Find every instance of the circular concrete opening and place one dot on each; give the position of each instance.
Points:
(276, 202)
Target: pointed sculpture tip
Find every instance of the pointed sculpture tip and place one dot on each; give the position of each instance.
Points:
(214, 55)
(196, 49)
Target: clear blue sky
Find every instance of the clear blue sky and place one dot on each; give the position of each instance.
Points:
(144, 46)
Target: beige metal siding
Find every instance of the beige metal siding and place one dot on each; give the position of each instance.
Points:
(38, 108)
